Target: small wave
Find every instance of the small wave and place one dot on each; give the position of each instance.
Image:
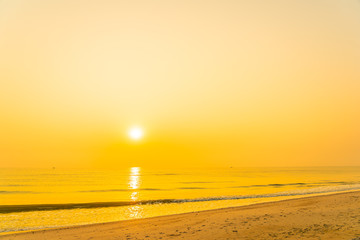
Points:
(149, 189)
(51, 207)
(338, 182)
(272, 185)
(296, 184)
(16, 192)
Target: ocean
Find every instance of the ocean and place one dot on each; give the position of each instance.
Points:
(47, 198)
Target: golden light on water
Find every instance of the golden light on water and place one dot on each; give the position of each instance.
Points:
(134, 178)
(134, 184)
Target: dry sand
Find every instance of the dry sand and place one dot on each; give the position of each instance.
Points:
(335, 216)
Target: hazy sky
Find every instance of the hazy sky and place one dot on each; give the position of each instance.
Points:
(212, 83)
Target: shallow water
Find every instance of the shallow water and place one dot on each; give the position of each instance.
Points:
(33, 199)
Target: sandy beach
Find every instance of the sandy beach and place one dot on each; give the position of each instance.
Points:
(335, 216)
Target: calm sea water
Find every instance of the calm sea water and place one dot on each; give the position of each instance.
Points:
(34, 199)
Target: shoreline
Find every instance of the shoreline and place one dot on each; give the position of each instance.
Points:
(88, 205)
(132, 231)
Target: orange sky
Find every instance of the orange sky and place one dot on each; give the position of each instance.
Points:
(215, 83)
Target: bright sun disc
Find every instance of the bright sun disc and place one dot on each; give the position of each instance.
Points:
(136, 133)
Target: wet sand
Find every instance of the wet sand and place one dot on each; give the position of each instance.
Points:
(335, 216)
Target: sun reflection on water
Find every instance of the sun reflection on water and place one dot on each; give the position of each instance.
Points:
(135, 211)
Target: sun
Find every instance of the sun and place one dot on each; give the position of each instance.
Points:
(136, 133)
